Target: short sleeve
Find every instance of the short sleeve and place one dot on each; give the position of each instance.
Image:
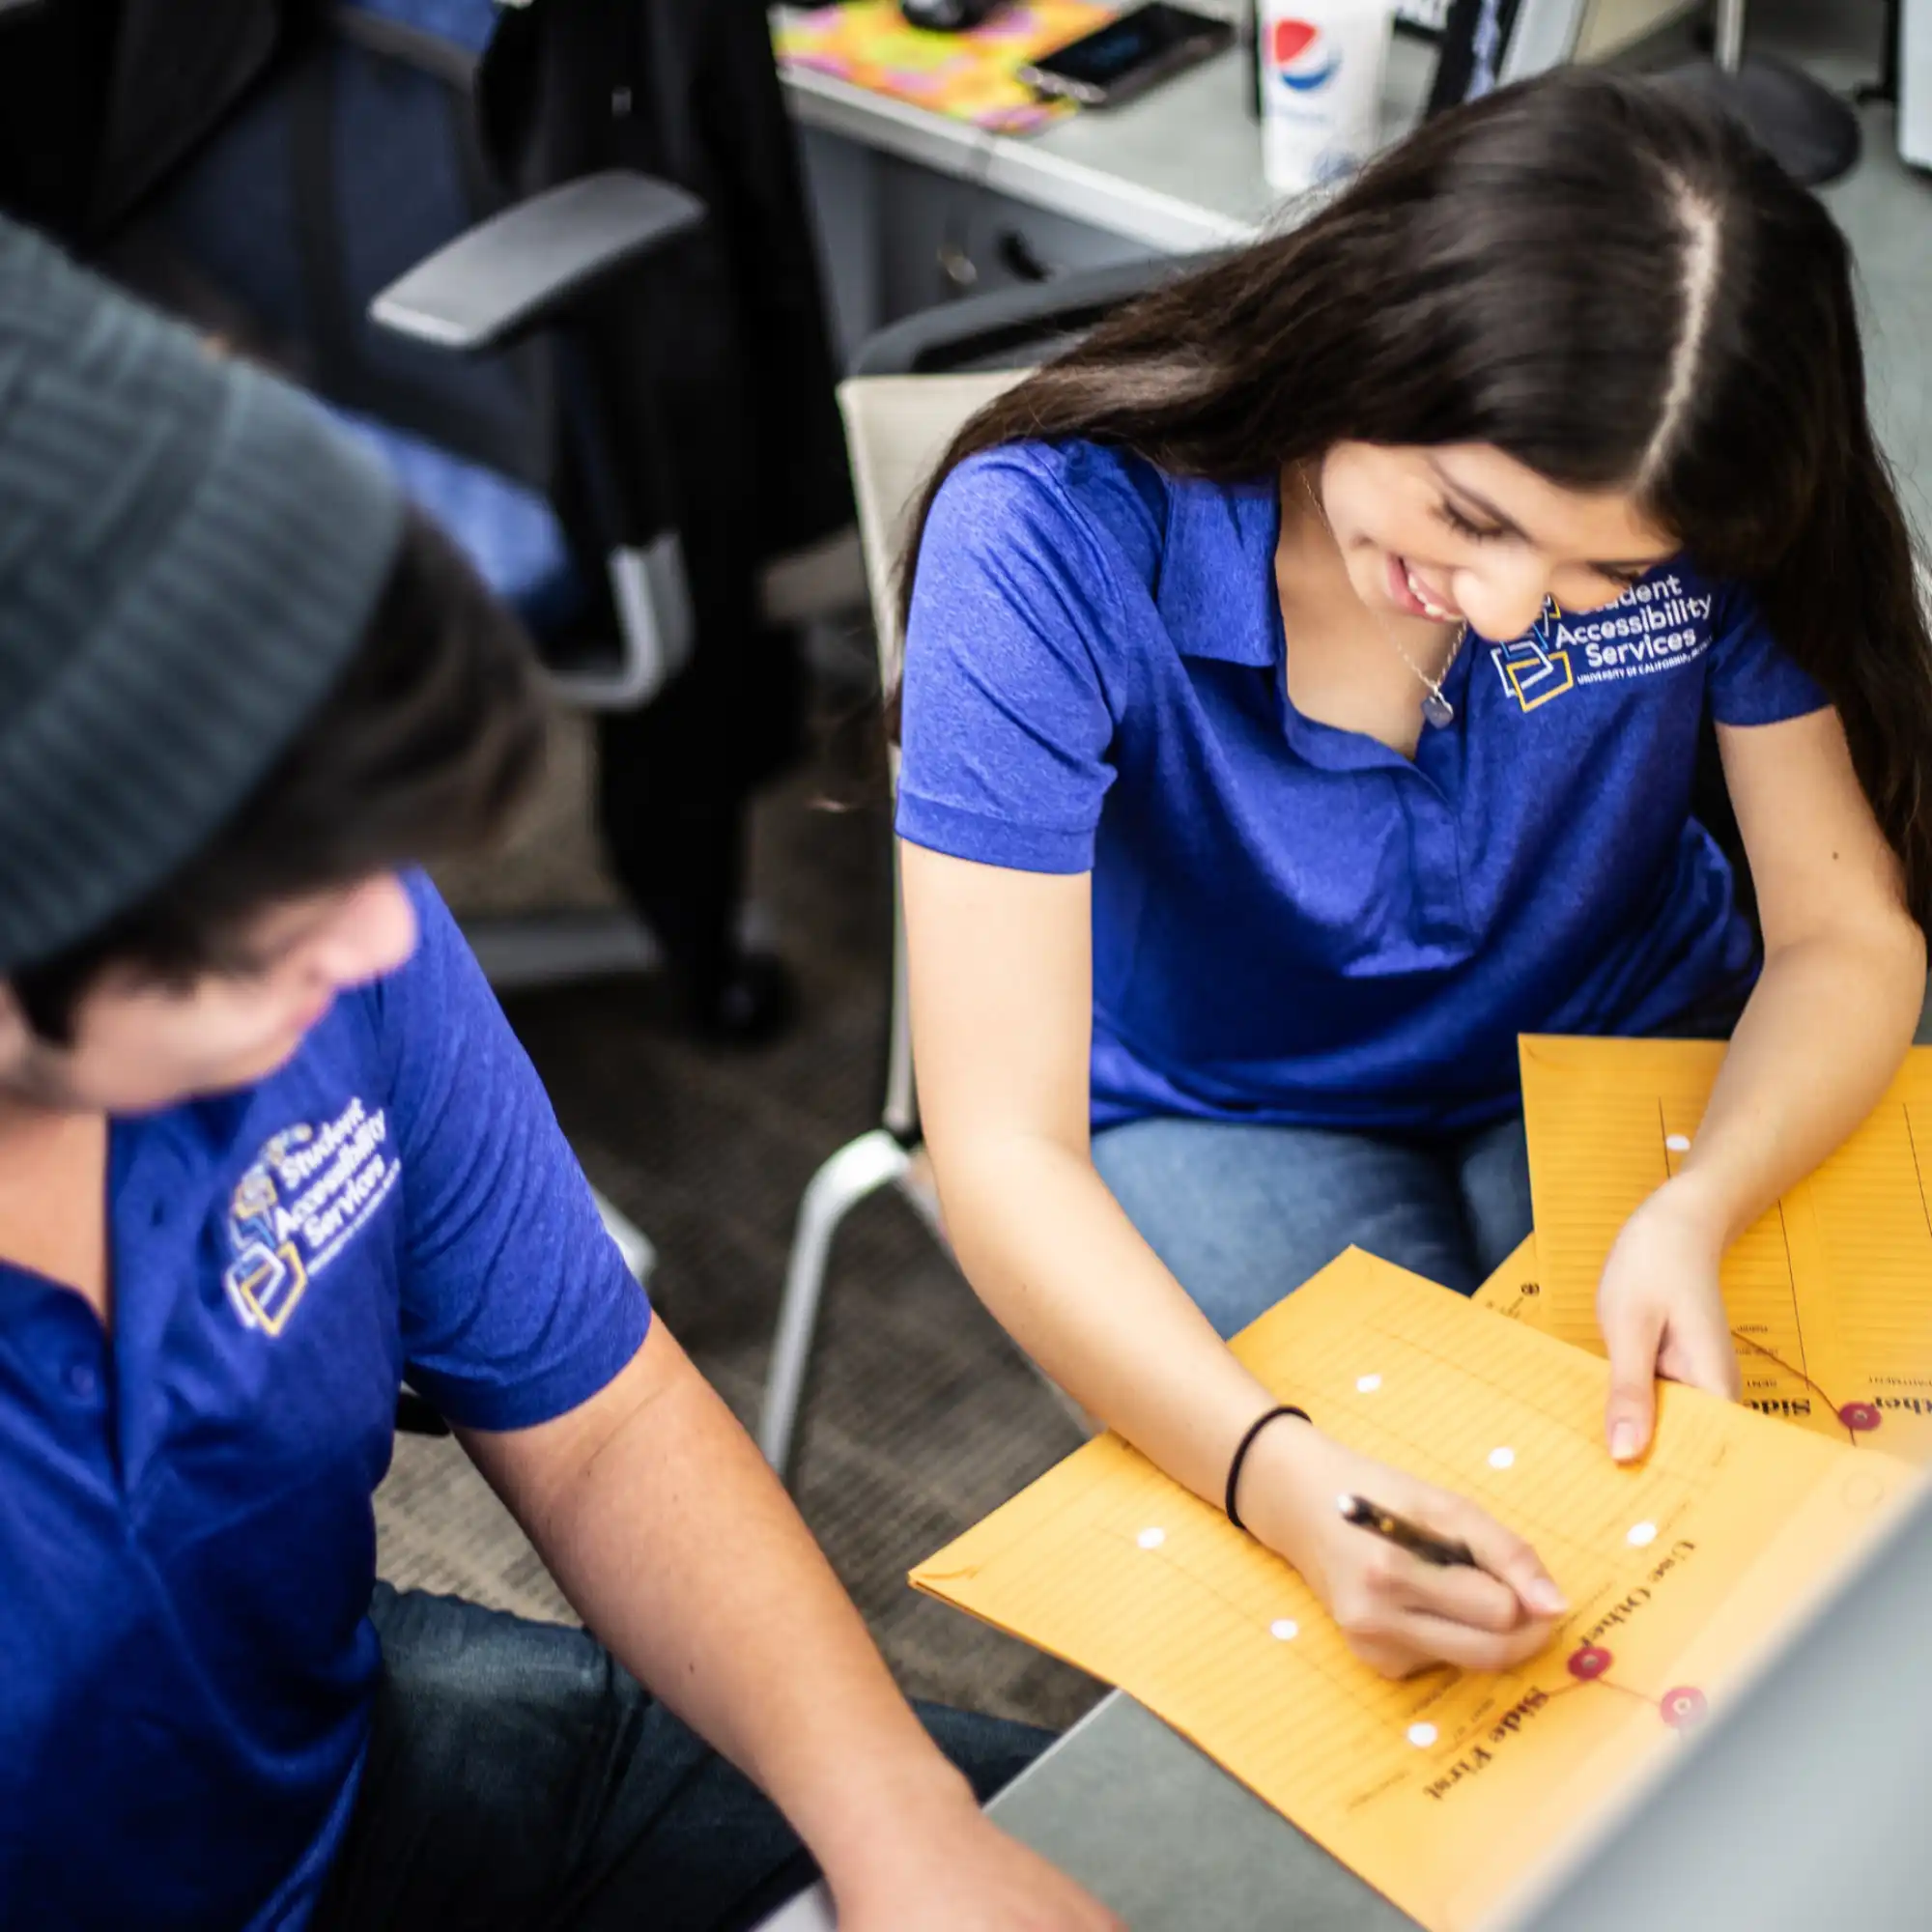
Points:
(1751, 681)
(1006, 726)
(516, 1303)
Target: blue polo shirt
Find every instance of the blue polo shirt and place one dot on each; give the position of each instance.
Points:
(185, 1535)
(1293, 923)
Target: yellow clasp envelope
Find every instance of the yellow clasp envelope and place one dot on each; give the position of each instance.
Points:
(1444, 1791)
(1830, 1293)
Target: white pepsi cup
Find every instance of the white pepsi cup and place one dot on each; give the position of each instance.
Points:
(1322, 65)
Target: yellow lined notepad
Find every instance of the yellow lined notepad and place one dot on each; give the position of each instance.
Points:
(1442, 1791)
(1830, 1294)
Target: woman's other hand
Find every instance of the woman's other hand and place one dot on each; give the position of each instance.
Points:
(1662, 1314)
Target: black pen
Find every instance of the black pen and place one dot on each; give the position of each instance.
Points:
(1406, 1535)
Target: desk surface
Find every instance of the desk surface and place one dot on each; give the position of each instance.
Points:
(1167, 1839)
(1179, 169)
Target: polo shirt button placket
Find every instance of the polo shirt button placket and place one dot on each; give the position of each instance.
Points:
(83, 1383)
(1435, 859)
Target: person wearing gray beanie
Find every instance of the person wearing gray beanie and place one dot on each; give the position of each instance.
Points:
(268, 1149)
(188, 555)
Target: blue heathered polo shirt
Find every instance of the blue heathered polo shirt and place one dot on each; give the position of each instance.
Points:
(1292, 922)
(186, 1537)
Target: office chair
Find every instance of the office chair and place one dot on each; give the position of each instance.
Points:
(355, 165)
(343, 223)
(913, 386)
(329, 225)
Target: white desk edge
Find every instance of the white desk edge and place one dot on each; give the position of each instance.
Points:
(1012, 166)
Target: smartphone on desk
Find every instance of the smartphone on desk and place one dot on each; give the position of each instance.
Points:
(1128, 55)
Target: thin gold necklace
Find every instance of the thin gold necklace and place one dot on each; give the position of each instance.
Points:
(1437, 709)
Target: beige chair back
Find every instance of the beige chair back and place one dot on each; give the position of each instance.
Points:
(896, 429)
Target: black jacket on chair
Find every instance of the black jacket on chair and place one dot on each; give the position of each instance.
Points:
(727, 361)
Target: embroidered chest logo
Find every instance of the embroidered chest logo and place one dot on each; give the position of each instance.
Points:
(1656, 625)
(1532, 673)
(301, 1201)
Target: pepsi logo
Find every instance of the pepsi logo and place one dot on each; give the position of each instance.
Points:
(1301, 55)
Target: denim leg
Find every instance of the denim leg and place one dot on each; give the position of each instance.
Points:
(1494, 1176)
(1242, 1214)
(520, 1778)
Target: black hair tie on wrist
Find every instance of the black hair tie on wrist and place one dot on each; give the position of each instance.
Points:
(1247, 1442)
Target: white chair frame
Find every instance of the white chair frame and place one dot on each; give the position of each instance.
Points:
(897, 427)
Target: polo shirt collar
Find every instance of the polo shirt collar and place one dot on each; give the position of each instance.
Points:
(1216, 594)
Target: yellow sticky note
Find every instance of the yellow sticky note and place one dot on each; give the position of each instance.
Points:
(1830, 1294)
(1442, 1791)
(968, 76)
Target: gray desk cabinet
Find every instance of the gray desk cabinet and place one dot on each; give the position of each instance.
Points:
(913, 210)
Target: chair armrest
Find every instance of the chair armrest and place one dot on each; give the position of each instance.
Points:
(522, 266)
(1012, 329)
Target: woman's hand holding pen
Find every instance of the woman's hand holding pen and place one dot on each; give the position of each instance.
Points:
(1661, 1312)
(1397, 1612)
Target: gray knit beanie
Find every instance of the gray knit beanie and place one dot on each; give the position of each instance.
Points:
(188, 553)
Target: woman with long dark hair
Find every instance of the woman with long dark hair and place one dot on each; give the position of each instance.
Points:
(1303, 691)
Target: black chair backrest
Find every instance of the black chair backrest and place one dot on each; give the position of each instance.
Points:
(100, 99)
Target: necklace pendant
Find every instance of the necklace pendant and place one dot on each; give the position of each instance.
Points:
(1436, 710)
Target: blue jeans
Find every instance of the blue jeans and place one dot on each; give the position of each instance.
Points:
(1242, 1214)
(520, 1780)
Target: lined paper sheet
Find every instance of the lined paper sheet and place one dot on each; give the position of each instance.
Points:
(1442, 1791)
(1830, 1295)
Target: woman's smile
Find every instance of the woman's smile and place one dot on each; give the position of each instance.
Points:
(1411, 592)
